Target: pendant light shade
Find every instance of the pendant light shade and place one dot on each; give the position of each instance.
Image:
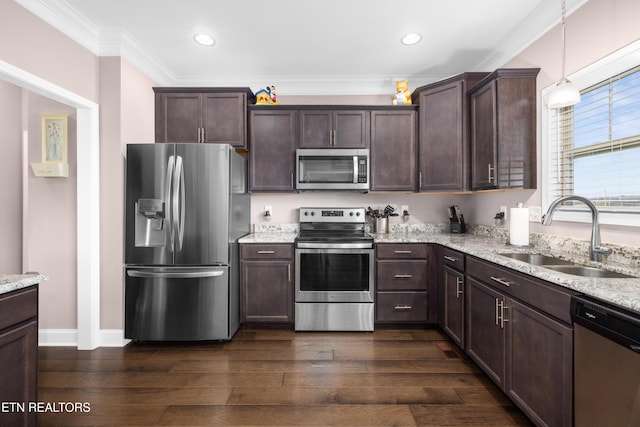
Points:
(565, 93)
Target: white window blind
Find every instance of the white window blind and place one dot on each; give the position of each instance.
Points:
(594, 146)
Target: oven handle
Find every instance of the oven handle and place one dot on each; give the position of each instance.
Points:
(302, 245)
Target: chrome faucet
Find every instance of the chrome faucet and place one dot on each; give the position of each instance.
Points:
(595, 250)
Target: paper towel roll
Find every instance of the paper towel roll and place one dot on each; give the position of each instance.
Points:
(519, 226)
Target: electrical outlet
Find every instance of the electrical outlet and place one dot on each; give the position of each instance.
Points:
(404, 208)
(535, 214)
(268, 210)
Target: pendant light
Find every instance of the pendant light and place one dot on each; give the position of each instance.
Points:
(565, 93)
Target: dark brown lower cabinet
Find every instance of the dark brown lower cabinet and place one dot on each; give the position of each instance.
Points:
(266, 283)
(518, 344)
(401, 283)
(453, 317)
(19, 356)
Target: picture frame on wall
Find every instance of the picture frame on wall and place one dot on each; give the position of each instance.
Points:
(54, 138)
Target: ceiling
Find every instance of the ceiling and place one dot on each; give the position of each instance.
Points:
(304, 47)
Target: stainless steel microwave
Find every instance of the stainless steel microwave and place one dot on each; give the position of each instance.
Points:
(332, 169)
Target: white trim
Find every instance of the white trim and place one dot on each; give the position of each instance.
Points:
(619, 61)
(69, 338)
(87, 202)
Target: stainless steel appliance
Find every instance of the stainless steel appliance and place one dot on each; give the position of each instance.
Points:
(332, 169)
(606, 364)
(186, 205)
(334, 271)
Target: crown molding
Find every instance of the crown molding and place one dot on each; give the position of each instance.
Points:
(117, 42)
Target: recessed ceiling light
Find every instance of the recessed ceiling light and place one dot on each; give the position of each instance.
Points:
(411, 38)
(204, 39)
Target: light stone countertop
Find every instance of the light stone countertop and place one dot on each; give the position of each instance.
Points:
(13, 282)
(623, 292)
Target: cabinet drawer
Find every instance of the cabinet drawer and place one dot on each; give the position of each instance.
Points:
(401, 275)
(547, 297)
(18, 306)
(402, 251)
(453, 259)
(401, 307)
(266, 251)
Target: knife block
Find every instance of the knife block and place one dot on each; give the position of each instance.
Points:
(457, 227)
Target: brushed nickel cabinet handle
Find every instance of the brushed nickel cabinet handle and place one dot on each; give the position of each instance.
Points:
(491, 170)
(266, 252)
(403, 252)
(403, 307)
(458, 287)
(289, 272)
(403, 276)
(450, 258)
(501, 281)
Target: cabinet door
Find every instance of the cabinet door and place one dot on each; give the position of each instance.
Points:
(178, 117)
(224, 118)
(272, 149)
(266, 291)
(453, 323)
(19, 357)
(393, 150)
(334, 129)
(316, 129)
(351, 129)
(442, 156)
(485, 338)
(484, 156)
(539, 362)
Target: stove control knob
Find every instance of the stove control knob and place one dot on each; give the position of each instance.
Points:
(357, 213)
(313, 213)
(306, 214)
(350, 213)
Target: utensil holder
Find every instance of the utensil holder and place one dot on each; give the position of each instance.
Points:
(381, 226)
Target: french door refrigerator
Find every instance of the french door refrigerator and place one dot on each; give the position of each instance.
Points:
(186, 207)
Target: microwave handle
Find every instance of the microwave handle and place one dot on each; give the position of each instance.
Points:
(355, 169)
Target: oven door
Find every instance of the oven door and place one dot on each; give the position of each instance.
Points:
(334, 275)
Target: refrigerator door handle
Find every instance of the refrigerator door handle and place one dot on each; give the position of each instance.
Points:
(174, 275)
(178, 202)
(168, 199)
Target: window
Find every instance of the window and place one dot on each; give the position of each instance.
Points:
(593, 147)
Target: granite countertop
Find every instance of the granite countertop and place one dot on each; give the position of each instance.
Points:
(13, 282)
(623, 292)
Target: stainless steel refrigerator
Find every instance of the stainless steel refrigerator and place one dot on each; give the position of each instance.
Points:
(186, 207)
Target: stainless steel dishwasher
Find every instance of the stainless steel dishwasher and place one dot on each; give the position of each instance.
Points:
(606, 364)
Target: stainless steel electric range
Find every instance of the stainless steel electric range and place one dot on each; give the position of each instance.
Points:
(334, 271)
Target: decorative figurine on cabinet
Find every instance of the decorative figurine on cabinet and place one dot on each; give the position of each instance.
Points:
(402, 96)
(266, 96)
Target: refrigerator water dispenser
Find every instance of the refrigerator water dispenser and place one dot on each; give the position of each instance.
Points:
(150, 230)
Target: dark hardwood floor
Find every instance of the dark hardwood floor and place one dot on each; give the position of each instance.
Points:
(275, 378)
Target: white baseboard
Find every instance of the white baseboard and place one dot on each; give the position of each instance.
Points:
(69, 338)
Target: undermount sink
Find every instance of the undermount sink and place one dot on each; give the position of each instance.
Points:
(564, 266)
(583, 270)
(537, 259)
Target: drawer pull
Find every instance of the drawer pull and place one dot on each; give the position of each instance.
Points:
(266, 252)
(501, 281)
(402, 307)
(403, 252)
(403, 276)
(450, 258)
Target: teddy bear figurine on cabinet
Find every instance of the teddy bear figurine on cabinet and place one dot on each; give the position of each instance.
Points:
(402, 96)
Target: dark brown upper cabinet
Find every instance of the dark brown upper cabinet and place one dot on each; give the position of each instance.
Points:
(334, 128)
(205, 115)
(393, 148)
(272, 148)
(503, 130)
(443, 145)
